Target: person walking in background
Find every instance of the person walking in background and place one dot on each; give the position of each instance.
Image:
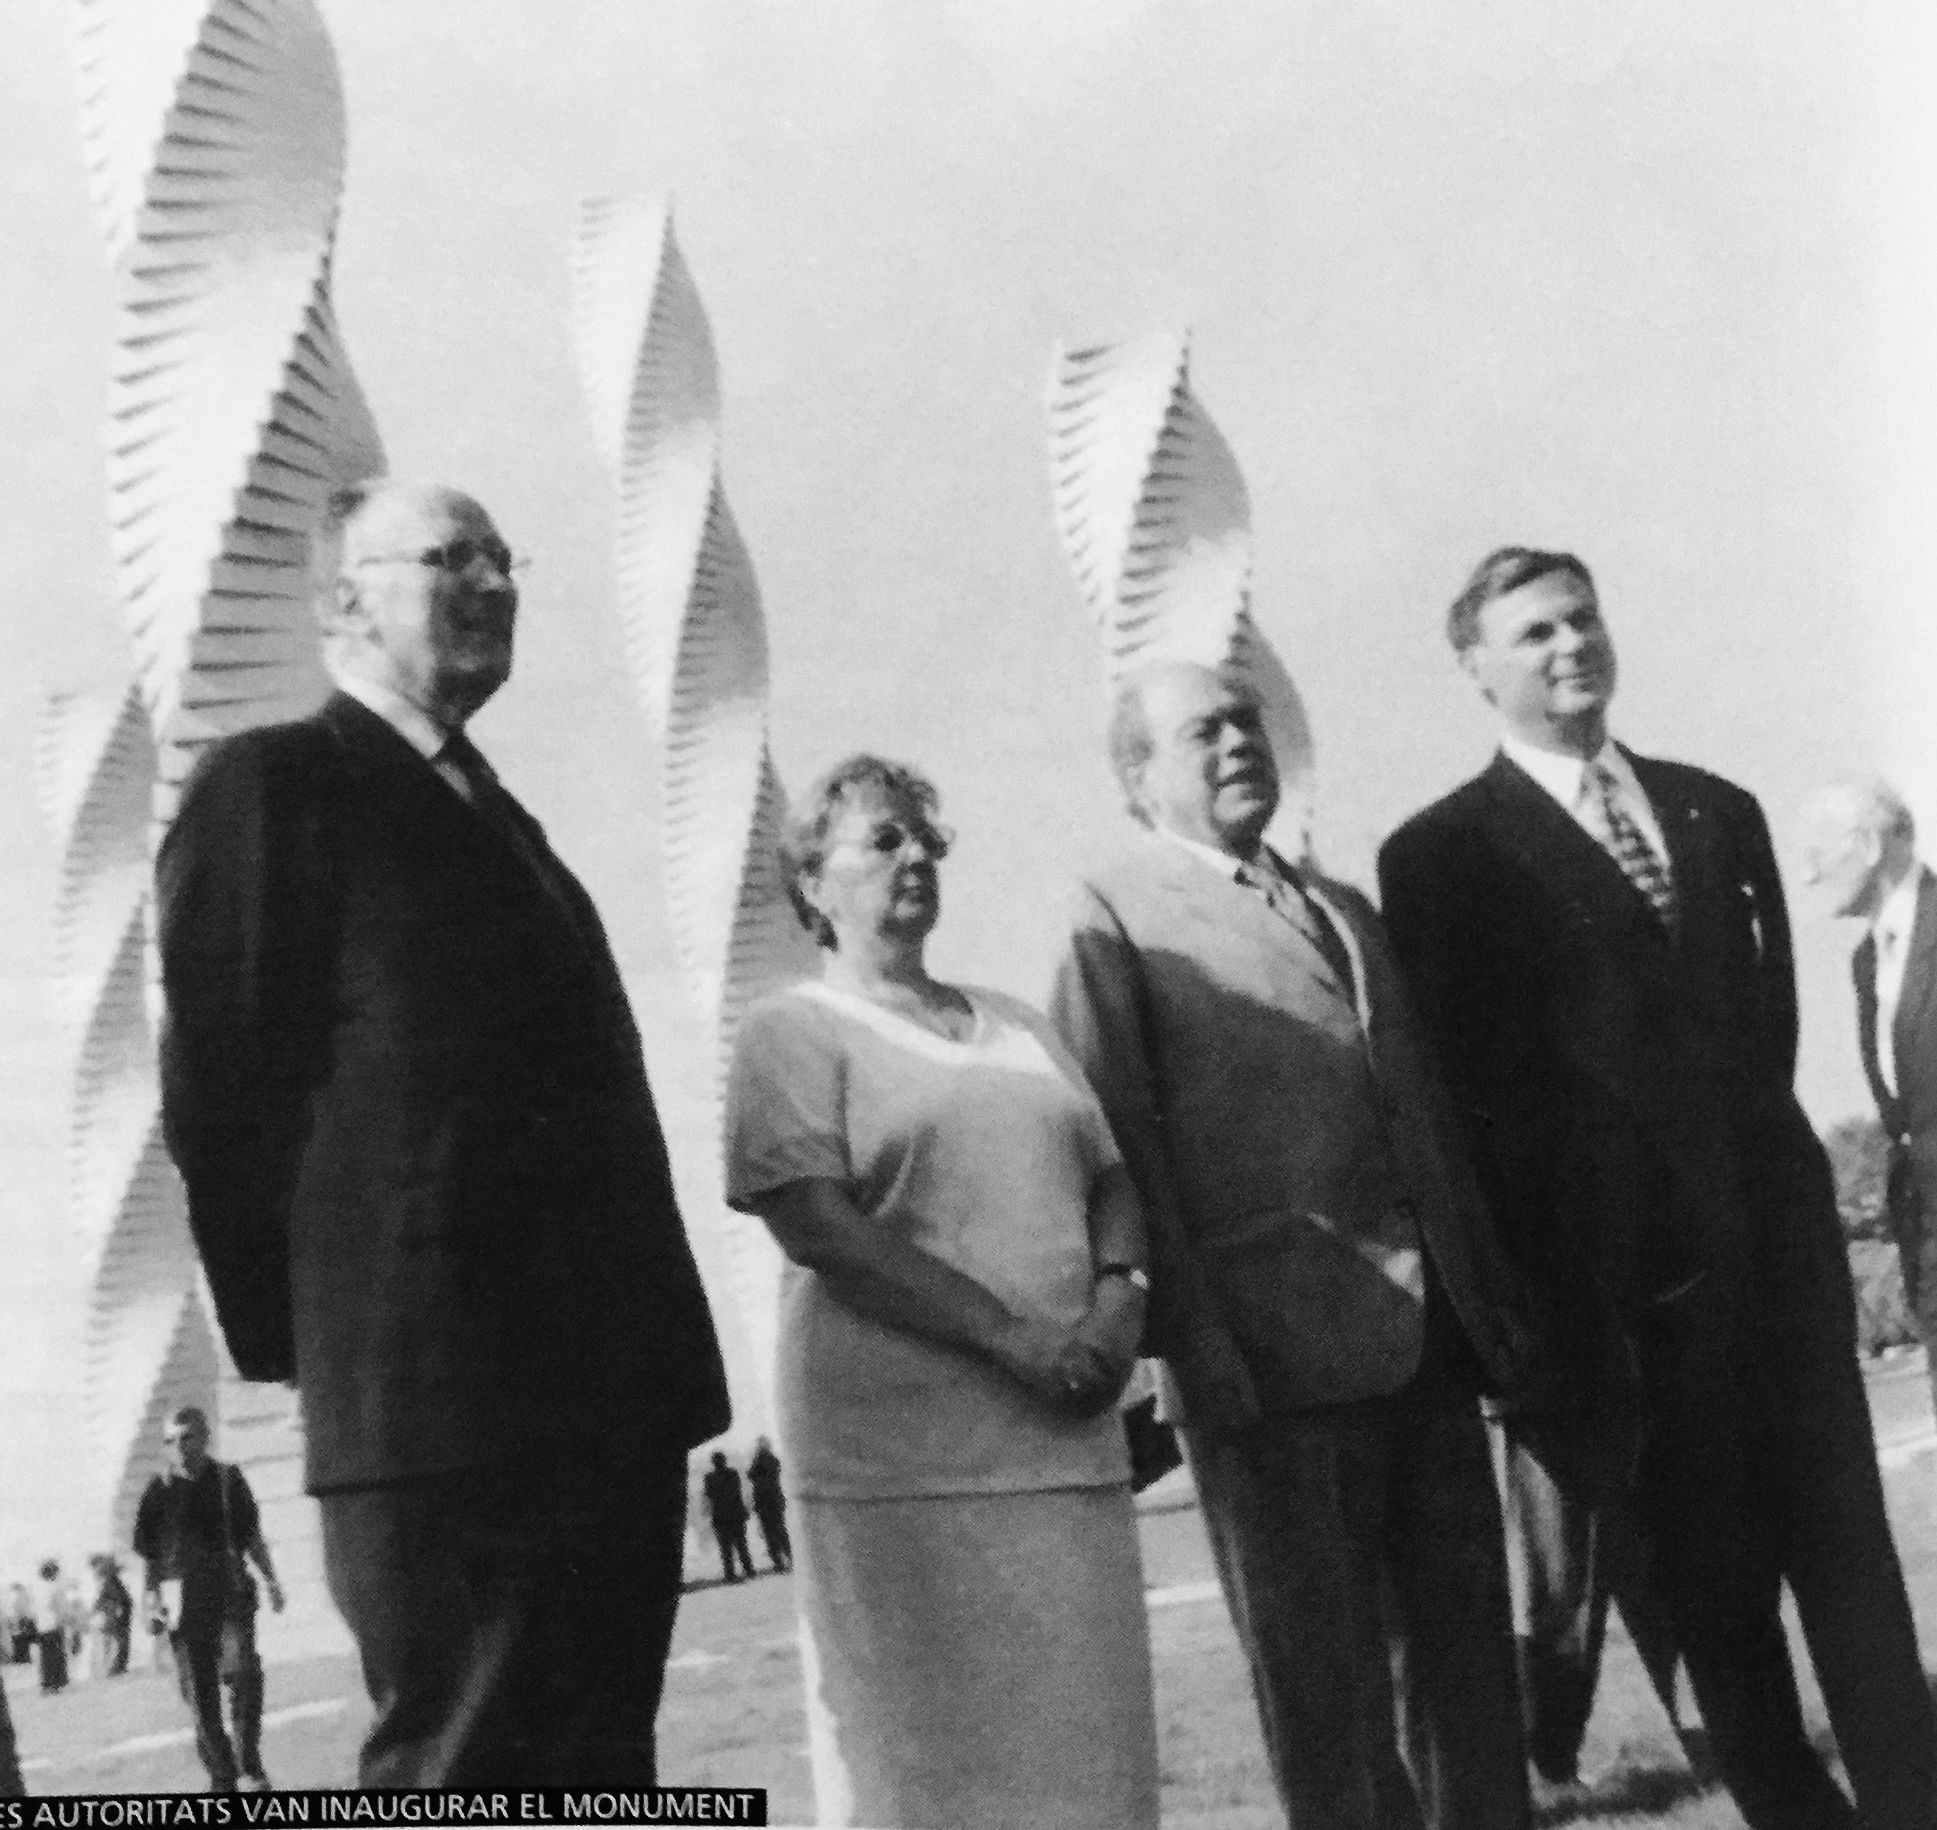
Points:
(196, 1532)
(21, 1631)
(50, 1628)
(74, 1619)
(961, 1306)
(1860, 854)
(770, 1504)
(1601, 948)
(1326, 1286)
(113, 1615)
(426, 1178)
(726, 1508)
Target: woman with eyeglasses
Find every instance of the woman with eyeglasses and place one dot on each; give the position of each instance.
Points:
(961, 1308)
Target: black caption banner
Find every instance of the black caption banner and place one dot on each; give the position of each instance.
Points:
(547, 1806)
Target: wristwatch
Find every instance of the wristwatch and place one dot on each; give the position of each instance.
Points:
(1138, 1276)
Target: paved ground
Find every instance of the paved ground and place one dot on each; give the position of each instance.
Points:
(733, 1716)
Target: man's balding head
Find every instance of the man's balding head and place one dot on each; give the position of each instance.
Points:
(1189, 749)
(1858, 842)
(421, 600)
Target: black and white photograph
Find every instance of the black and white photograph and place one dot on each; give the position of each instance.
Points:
(985, 916)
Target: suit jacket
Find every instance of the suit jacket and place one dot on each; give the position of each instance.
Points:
(1628, 1096)
(403, 1087)
(1909, 1114)
(1288, 1159)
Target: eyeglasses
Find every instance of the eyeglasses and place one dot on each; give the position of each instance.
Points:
(456, 557)
(889, 837)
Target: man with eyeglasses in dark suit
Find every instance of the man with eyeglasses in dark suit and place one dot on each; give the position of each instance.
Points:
(427, 1181)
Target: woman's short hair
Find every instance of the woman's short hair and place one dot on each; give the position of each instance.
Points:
(1504, 569)
(804, 846)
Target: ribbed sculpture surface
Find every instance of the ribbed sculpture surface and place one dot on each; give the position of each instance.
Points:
(147, 1338)
(696, 640)
(213, 134)
(1156, 521)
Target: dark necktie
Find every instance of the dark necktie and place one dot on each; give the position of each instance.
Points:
(1624, 841)
(494, 805)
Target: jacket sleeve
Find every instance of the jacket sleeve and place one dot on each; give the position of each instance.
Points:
(242, 965)
(1097, 1006)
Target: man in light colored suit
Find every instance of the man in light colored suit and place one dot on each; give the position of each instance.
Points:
(1860, 852)
(1325, 1288)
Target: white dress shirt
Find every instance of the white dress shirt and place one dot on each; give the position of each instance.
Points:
(1565, 778)
(412, 723)
(1891, 932)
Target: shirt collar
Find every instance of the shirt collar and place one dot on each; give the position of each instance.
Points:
(1898, 913)
(413, 724)
(1562, 776)
(1226, 866)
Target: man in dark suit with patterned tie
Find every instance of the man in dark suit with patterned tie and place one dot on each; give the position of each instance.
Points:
(1325, 1284)
(1599, 943)
(1860, 853)
(427, 1181)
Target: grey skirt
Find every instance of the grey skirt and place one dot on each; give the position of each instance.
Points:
(977, 1662)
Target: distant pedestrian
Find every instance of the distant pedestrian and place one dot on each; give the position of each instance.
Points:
(196, 1532)
(20, 1629)
(50, 1629)
(113, 1615)
(726, 1506)
(770, 1504)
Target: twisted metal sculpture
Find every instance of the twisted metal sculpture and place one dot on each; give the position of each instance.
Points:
(695, 637)
(147, 1339)
(213, 137)
(213, 133)
(1156, 522)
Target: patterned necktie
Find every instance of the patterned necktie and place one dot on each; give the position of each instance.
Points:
(1295, 904)
(1628, 846)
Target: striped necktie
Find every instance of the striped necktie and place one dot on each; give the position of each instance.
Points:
(1290, 899)
(1624, 841)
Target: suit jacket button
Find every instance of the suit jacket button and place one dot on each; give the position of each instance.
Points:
(1406, 1208)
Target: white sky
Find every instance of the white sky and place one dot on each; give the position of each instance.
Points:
(1652, 281)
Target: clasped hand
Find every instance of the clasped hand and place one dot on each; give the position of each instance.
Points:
(1081, 1369)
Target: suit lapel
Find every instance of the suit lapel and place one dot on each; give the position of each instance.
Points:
(1919, 974)
(1692, 865)
(376, 753)
(1558, 852)
(1244, 913)
(1592, 922)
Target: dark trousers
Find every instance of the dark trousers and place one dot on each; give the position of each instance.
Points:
(773, 1533)
(1359, 1550)
(1573, 1559)
(1760, 1465)
(733, 1547)
(205, 1664)
(513, 1622)
(52, 1648)
(114, 1645)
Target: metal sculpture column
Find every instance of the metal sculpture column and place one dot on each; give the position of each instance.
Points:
(696, 640)
(1156, 521)
(213, 133)
(148, 1342)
